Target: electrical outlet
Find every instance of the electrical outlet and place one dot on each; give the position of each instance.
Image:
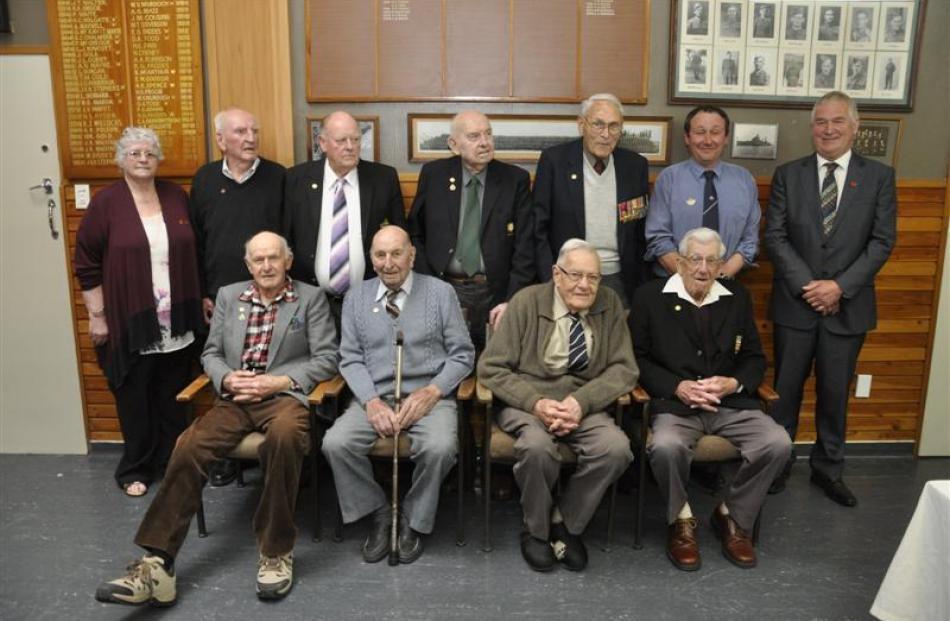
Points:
(863, 388)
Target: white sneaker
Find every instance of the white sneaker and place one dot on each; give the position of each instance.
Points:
(146, 583)
(275, 576)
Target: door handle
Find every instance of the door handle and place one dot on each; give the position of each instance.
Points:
(46, 186)
(50, 205)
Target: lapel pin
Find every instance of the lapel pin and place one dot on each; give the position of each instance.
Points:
(451, 179)
(452, 187)
(241, 317)
(690, 201)
(573, 176)
(314, 186)
(223, 190)
(677, 308)
(854, 184)
(241, 309)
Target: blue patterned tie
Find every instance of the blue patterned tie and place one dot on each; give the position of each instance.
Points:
(577, 350)
(340, 243)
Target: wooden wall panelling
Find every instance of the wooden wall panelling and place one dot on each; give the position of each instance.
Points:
(248, 66)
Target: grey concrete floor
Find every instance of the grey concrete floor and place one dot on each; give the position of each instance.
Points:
(64, 527)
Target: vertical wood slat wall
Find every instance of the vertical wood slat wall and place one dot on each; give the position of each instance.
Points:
(896, 354)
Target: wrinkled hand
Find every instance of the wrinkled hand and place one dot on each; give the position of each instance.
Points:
(207, 307)
(568, 417)
(381, 417)
(719, 386)
(823, 296)
(697, 396)
(495, 314)
(248, 387)
(417, 405)
(98, 330)
(547, 411)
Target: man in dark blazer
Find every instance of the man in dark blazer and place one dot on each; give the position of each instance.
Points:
(701, 360)
(594, 190)
(338, 203)
(471, 223)
(831, 225)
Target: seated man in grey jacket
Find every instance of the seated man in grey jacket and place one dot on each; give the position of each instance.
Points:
(437, 355)
(561, 355)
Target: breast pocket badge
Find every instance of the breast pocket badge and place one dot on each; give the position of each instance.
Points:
(633, 209)
(295, 323)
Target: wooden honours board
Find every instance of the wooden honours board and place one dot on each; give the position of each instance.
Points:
(491, 50)
(121, 63)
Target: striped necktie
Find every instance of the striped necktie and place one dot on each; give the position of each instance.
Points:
(340, 243)
(391, 306)
(577, 349)
(829, 198)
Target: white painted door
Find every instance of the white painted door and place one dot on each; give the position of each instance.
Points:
(40, 403)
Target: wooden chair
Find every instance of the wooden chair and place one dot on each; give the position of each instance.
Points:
(709, 449)
(382, 450)
(498, 446)
(247, 449)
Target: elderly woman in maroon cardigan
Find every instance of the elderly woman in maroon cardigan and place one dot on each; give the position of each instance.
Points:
(137, 265)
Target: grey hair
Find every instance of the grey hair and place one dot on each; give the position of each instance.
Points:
(837, 96)
(575, 244)
(701, 235)
(607, 97)
(283, 242)
(131, 135)
(455, 128)
(220, 116)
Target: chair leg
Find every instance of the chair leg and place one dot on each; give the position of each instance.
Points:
(315, 487)
(486, 485)
(642, 475)
(338, 527)
(610, 516)
(460, 521)
(202, 528)
(240, 472)
(755, 528)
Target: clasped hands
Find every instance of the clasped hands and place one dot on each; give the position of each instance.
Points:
(250, 387)
(707, 393)
(387, 422)
(823, 296)
(560, 417)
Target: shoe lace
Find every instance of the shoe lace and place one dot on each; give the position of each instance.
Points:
(274, 563)
(139, 571)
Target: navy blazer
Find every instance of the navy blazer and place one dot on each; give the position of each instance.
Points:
(669, 348)
(861, 240)
(507, 236)
(380, 204)
(559, 208)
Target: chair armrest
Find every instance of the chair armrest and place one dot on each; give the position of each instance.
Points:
(640, 395)
(767, 393)
(624, 399)
(482, 393)
(191, 390)
(466, 390)
(328, 388)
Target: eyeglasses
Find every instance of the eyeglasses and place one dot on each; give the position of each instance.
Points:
(134, 155)
(576, 277)
(695, 261)
(613, 129)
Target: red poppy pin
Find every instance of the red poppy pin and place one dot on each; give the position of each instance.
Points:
(854, 184)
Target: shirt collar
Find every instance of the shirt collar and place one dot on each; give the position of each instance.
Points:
(698, 169)
(247, 175)
(287, 294)
(592, 159)
(675, 285)
(560, 308)
(842, 161)
(467, 174)
(330, 177)
(406, 288)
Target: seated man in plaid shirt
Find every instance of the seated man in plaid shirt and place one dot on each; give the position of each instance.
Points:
(272, 340)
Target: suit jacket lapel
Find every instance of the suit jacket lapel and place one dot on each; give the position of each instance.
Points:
(366, 197)
(285, 312)
(490, 197)
(853, 179)
(575, 184)
(679, 309)
(718, 313)
(809, 182)
(316, 194)
(241, 310)
(456, 196)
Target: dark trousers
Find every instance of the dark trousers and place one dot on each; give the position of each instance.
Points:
(285, 423)
(149, 416)
(835, 357)
(476, 301)
(615, 282)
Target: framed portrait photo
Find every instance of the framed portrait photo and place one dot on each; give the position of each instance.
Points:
(369, 137)
(879, 138)
(784, 53)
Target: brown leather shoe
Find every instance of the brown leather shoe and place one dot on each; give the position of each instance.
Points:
(736, 544)
(681, 546)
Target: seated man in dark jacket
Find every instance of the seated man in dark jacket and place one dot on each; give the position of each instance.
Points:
(701, 360)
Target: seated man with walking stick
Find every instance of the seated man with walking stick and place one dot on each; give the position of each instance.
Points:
(437, 356)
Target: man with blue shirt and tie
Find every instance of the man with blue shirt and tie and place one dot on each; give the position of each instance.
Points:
(704, 191)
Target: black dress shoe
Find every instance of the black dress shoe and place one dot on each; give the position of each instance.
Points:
(836, 490)
(537, 553)
(222, 472)
(410, 542)
(376, 546)
(568, 549)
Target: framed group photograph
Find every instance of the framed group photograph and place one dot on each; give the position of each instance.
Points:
(785, 53)
(879, 138)
(755, 141)
(520, 138)
(369, 137)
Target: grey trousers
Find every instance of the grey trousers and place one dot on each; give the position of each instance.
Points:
(763, 445)
(603, 453)
(434, 445)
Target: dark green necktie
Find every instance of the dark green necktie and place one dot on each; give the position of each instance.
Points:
(469, 248)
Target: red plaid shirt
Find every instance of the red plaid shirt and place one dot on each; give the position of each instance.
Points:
(260, 325)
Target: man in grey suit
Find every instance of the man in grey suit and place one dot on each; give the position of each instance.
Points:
(831, 225)
(437, 355)
(272, 340)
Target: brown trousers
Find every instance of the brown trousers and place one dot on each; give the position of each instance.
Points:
(285, 423)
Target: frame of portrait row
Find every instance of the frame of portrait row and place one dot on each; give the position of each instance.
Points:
(785, 53)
